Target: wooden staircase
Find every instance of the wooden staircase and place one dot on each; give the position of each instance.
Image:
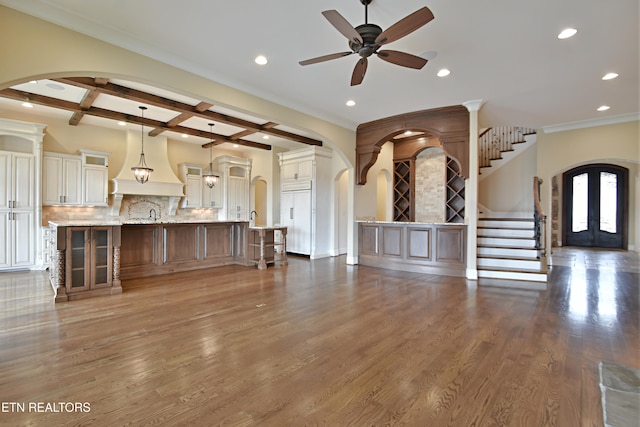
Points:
(507, 249)
(508, 246)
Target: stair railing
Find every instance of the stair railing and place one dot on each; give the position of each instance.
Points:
(497, 140)
(540, 220)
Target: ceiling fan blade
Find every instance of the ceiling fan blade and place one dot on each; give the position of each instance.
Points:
(342, 25)
(359, 71)
(324, 58)
(405, 26)
(403, 59)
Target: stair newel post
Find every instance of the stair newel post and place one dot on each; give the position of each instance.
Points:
(540, 221)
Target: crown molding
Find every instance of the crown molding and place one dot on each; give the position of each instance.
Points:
(624, 118)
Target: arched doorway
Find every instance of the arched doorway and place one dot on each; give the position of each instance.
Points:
(341, 213)
(260, 202)
(595, 206)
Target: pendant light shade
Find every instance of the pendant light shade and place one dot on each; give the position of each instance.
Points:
(210, 178)
(141, 171)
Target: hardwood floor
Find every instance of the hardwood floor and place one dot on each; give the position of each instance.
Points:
(316, 343)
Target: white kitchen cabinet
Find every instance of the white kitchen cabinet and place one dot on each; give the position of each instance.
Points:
(197, 192)
(238, 199)
(191, 175)
(61, 179)
(306, 195)
(17, 210)
(212, 197)
(296, 216)
(235, 174)
(95, 178)
(300, 169)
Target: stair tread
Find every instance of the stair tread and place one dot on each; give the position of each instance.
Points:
(509, 257)
(505, 228)
(511, 270)
(497, 218)
(506, 247)
(508, 237)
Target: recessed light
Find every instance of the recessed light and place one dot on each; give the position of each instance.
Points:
(235, 145)
(443, 73)
(261, 60)
(27, 104)
(33, 82)
(408, 133)
(603, 108)
(122, 123)
(54, 86)
(567, 32)
(609, 76)
(265, 136)
(351, 103)
(184, 135)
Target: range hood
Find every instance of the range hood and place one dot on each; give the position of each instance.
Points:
(163, 181)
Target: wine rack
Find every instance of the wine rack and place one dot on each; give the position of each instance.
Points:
(454, 205)
(403, 172)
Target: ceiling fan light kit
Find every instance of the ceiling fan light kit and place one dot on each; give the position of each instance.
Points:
(367, 39)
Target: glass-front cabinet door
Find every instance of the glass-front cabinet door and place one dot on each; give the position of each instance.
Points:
(101, 257)
(78, 260)
(89, 254)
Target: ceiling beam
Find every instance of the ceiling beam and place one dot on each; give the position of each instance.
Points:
(87, 101)
(203, 106)
(181, 107)
(115, 115)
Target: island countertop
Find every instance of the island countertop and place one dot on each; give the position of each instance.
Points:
(116, 222)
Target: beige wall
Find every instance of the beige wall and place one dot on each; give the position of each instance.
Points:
(616, 143)
(510, 188)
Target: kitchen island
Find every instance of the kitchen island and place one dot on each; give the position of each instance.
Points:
(433, 248)
(90, 258)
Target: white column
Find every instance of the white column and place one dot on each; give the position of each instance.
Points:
(471, 190)
(352, 227)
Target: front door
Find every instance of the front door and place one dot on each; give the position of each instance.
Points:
(595, 206)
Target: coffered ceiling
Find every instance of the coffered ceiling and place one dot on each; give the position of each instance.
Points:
(504, 52)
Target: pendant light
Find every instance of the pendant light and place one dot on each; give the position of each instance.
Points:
(210, 178)
(141, 171)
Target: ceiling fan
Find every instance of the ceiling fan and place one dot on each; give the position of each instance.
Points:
(366, 39)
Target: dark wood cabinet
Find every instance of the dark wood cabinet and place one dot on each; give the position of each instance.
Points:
(90, 258)
(85, 261)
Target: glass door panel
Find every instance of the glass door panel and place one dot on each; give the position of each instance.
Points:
(580, 203)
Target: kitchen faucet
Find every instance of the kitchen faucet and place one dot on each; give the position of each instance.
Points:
(155, 215)
(252, 213)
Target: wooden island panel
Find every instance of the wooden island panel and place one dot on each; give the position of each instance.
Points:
(141, 243)
(217, 242)
(181, 243)
(410, 246)
(155, 249)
